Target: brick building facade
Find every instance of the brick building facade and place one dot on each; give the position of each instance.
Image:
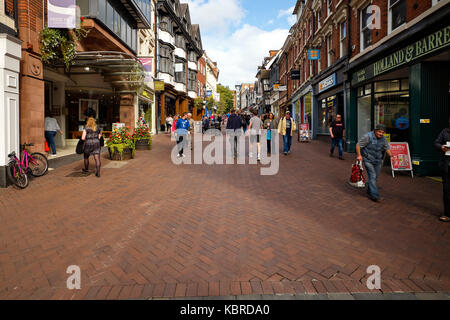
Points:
(350, 76)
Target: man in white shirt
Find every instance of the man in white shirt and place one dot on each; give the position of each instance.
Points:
(51, 128)
(169, 122)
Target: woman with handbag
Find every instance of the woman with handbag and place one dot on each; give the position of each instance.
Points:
(92, 137)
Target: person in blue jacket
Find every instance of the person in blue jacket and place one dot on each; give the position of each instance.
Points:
(182, 129)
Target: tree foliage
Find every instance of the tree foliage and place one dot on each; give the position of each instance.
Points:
(226, 99)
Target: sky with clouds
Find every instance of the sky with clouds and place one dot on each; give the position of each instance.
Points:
(238, 34)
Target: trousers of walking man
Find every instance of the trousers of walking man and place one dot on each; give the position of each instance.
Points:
(442, 143)
(370, 149)
(286, 128)
(337, 132)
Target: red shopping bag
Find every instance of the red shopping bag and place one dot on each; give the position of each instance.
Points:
(357, 179)
(47, 148)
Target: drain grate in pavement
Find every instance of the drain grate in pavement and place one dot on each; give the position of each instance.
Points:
(78, 175)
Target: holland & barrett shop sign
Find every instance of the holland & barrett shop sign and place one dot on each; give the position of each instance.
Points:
(435, 41)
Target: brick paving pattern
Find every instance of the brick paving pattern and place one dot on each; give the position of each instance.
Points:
(155, 230)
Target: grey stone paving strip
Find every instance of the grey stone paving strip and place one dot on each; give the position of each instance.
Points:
(329, 296)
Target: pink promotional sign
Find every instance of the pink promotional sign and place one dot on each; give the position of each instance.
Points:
(401, 157)
(61, 14)
(148, 67)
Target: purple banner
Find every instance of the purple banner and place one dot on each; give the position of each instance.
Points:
(148, 67)
(61, 14)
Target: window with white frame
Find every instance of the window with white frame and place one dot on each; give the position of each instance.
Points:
(397, 14)
(318, 15)
(435, 2)
(342, 38)
(311, 26)
(329, 7)
(329, 50)
(319, 65)
(310, 68)
(366, 31)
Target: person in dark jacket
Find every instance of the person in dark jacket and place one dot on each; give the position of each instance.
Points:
(442, 143)
(370, 149)
(234, 123)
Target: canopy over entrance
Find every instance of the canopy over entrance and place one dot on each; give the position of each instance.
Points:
(124, 71)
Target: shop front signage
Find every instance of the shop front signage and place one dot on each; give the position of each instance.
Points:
(62, 14)
(401, 157)
(327, 83)
(159, 85)
(433, 42)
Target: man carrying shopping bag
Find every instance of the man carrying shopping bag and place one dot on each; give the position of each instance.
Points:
(370, 149)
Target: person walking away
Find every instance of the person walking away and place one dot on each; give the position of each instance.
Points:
(51, 127)
(337, 132)
(370, 150)
(169, 123)
(91, 137)
(182, 131)
(286, 127)
(234, 123)
(442, 143)
(205, 124)
(255, 133)
(270, 124)
(191, 128)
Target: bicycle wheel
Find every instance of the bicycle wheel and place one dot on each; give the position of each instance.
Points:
(17, 177)
(39, 165)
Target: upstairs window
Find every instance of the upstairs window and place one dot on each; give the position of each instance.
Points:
(329, 7)
(329, 51)
(342, 38)
(366, 31)
(397, 14)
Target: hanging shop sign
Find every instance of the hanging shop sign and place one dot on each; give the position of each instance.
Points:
(313, 54)
(295, 74)
(401, 157)
(159, 85)
(148, 67)
(433, 42)
(278, 87)
(62, 14)
(327, 83)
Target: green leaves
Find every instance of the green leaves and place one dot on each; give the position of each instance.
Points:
(59, 45)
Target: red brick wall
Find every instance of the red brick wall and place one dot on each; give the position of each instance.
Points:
(9, 7)
(30, 22)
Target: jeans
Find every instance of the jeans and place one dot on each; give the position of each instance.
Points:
(181, 144)
(337, 142)
(446, 185)
(50, 137)
(269, 146)
(287, 142)
(373, 172)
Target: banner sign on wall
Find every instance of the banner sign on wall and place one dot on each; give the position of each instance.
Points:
(327, 83)
(401, 157)
(148, 67)
(62, 14)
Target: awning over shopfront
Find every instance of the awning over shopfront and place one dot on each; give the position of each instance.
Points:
(125, 72)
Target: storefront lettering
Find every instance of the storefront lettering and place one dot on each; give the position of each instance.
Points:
(433, 42)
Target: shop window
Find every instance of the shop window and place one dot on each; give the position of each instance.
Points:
(397, 14)
(166, 65)
(405, 84)
(84, 7)
(180, 42)
(392, 110)
(342, 38)
(367, 89)
(366, 31)
(364, 111)
(117, 18)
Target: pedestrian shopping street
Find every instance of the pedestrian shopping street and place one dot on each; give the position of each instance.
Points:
(149, 228)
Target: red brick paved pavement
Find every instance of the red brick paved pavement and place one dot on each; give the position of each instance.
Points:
(152, 229)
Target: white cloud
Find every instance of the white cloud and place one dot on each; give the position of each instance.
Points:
(291, 19)
(287, 12)
(238, 54)
(215, 15)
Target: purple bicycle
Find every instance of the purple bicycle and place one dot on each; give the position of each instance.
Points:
(35, 164)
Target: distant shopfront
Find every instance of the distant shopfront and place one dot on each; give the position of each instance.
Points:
(330, 101)
(302, 106)
(406, 89)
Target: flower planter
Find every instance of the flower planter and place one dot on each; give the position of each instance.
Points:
(120, 153)
(143, 144)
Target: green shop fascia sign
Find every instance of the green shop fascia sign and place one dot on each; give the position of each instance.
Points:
(435, 41)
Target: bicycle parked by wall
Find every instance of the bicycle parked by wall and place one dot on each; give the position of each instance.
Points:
(17, 170)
